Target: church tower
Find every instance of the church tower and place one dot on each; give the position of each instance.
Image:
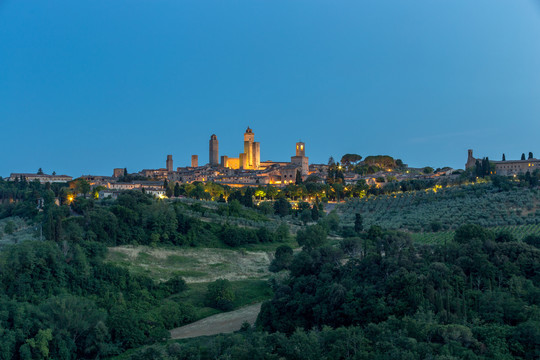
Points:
(300, 149)
(301, 160)
(214, 151)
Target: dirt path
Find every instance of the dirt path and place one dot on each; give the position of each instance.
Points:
(216, 324)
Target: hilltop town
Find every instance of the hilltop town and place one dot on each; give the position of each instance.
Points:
(247, 170)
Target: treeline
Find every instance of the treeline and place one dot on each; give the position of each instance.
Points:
(135, 218)
(61, 301)
(483, 286)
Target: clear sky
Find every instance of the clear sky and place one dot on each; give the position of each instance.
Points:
(87, 86)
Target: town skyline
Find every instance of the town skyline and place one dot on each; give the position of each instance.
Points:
(203, 159)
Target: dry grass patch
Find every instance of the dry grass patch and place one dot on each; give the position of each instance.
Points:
(193, 264)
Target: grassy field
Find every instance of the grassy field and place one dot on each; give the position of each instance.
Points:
(195, 265)
(246, 270)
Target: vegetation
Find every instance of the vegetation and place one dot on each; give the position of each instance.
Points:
(375, 292)
(476, 297)
(442, 209)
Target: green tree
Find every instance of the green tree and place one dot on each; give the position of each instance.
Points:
(315, 212)
(298, 179)
(530, 155)
(306, 216)
(523, 156)
(350, 160)
(9, 228)
(82, 186)
(358, 223)
(282, 258)
(40, 171)
(312, 237)
(282, 207)
(37, 347)
(220, 295)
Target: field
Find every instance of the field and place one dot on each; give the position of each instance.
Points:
(434, 214)
(518, 231)
(195, 265)
(247, 271)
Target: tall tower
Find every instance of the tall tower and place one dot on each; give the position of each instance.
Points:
(301, 159)
(252, 151)
(194, 161)
(214, 150)
(471, 161)
(300, 149)
(249, 137)
(169, 163)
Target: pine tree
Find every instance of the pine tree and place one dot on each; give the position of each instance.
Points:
(504, 157)
(298, 177)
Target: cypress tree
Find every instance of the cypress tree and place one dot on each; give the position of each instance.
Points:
(298, 177)
(523, 156)
(504, 157)
(358, 223)
(530, 155)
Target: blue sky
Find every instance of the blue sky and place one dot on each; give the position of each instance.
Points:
(86, 86)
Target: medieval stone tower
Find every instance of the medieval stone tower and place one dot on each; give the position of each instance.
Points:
(300, 149)
(169, 163)
(214, 150)
(251, 157)
(471, 161)
(301, 159)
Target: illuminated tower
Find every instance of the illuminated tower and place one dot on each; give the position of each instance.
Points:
(195, 161)
(300, 149)
(214, 151)
(301, 159)
(169, 163)
(252, 151)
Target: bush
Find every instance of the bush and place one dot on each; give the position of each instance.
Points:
(220, 295)
(9, 228)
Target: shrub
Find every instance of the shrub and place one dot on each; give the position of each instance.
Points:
(220, 295)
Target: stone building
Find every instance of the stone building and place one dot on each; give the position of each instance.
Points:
(194, 161)
(118, 172)
(251, 158)
(471, 161)
(516, 167)
(169, 163)
(301, 159)
(214, 150)
(507, 167)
